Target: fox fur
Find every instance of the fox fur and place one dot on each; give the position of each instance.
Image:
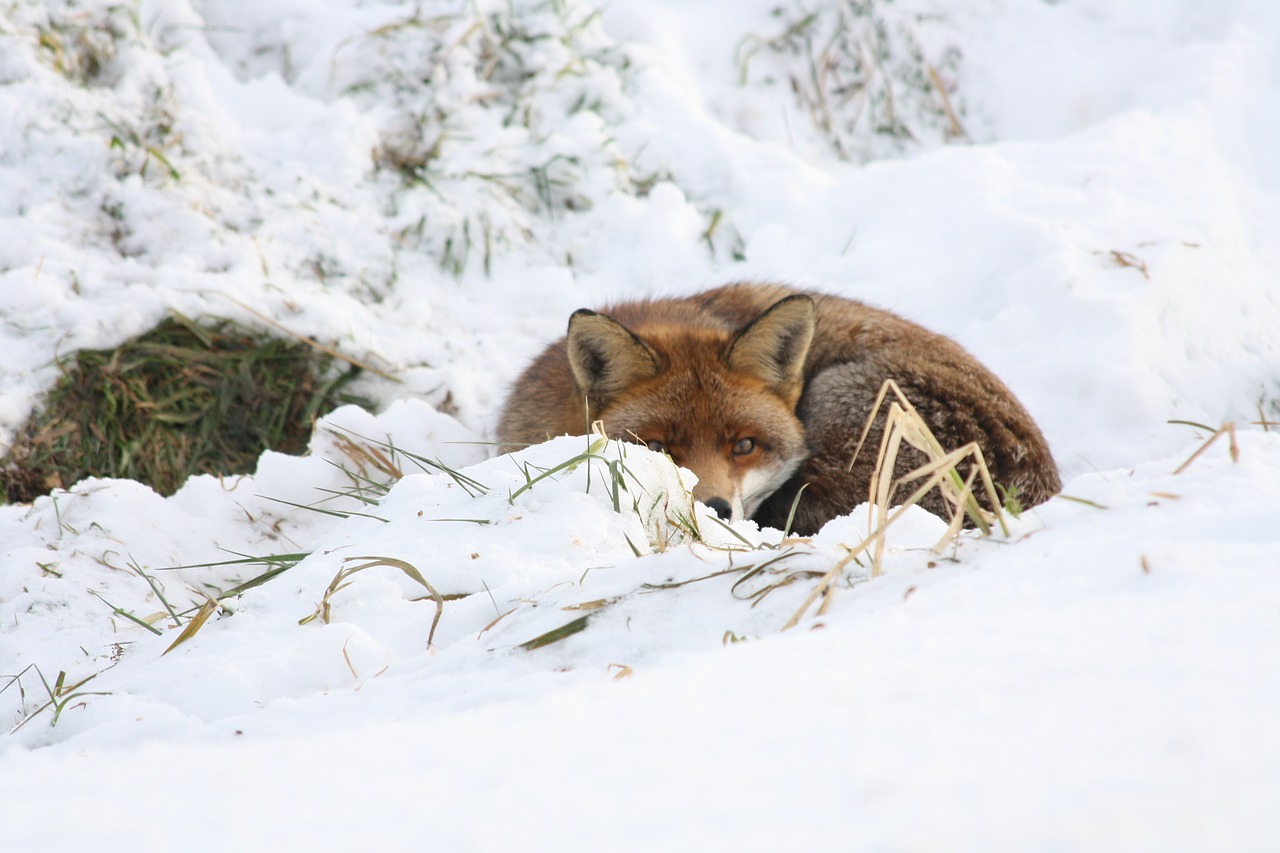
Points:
(761, 389)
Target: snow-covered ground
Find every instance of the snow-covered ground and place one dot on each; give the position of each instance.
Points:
(432, 187)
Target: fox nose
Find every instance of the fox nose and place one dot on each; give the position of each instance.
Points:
(720, 505)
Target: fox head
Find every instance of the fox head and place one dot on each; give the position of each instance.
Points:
(721, 403)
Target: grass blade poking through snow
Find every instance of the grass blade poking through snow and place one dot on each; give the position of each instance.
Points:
(1234, 448)
(557, 634)
(383, 457)
(592, 453)
(60, 695)
(196, 622)
(342, 579)
(119, 611)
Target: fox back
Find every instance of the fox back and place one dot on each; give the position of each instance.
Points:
(761, 390)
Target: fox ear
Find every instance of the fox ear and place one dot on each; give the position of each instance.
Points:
(606, 356)
(774, 346)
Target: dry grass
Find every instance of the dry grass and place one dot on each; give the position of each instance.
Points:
(941, 471)
(324, 610)
(1229, 430)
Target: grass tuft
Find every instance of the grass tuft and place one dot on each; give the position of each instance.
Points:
(941, 471)
(478, 99)
(60, 694)
(860, 71)
(82, 44)
(184, 398)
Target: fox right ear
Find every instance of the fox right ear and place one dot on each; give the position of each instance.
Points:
(775, 345)
(606, 356)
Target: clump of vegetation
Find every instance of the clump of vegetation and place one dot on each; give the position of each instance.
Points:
(498, 117)
(862, 73)
(184, 398)
(101, 46)
(81, 44)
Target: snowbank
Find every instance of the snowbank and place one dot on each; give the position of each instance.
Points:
(433, 188)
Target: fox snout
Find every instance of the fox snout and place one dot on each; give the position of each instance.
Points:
(717, 490)
(720, 506)
(735, 494)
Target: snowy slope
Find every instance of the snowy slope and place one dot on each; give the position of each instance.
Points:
(433, 188)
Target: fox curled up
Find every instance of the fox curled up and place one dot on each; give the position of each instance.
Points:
(762, 390)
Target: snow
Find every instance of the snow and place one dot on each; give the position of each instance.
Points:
(432, 188)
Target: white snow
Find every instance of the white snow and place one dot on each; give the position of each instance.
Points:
(432, 188)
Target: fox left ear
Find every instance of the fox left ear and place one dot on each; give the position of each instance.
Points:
(774, 346)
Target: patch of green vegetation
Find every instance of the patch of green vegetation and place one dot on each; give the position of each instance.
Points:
(184, 398)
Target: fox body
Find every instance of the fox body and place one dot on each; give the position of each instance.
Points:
(763, 389)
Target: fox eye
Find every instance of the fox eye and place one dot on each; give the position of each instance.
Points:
(744, 446)
(657, 446)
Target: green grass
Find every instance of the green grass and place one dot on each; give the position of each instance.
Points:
(184, 398)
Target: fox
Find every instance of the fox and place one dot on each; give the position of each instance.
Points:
(763, 392)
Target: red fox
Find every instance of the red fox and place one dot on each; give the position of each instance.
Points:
(762, 389)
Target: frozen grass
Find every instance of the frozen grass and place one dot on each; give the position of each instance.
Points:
(91, 48)
(82, 44)
(500, 118)
(860, 72)
(181, 399)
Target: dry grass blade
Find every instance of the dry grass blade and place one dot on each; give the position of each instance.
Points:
(700, 578)
(196, 622)
(904, 423)
(824, 585)
(752, 571)
(1230, 430)
(388, 462)
(1077, 500)
(592, 605)
(1262, 420)
(936, 474)
(342, 579)
(1129, 260)
(786, 580)
(955, 129)
(366, 456)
